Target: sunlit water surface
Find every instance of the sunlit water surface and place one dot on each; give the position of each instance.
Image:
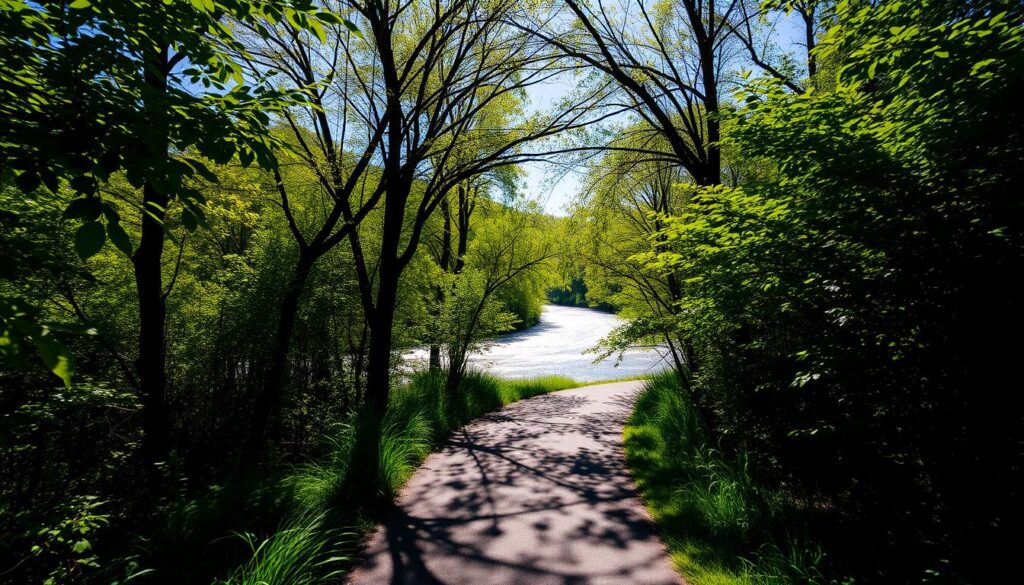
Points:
(556, 346)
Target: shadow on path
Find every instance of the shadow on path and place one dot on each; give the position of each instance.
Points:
(536, 493)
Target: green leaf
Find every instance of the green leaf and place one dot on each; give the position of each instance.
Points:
(110, 212)
(246, 156)
(294, 17)
(221, 152)
(328, 17)
(89, 239)
(318, 30)
(202, 169)
(87, 208)
(200, 217)
(352, 27)
(110, 161)
(84, 184)
(119, 238)
(80, 4)
(56, 358)
(49, 178)
(981, 65)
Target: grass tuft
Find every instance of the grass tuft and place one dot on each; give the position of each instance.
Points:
(302, 552)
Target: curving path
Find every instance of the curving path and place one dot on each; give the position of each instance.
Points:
(537, 493)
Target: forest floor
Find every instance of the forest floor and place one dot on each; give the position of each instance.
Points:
(537, 492)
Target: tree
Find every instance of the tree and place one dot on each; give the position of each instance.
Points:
(448, 260)
(813, 15)
(122, 79)
(439, 67)
(621, 211)
(467, 195)
(334, 133)
(849, 304)
(509, 247)
(666, 60)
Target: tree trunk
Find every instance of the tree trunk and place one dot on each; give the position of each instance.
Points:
(459, 357)
(268, 403)
(378, 367)
(453, 380)
(382, 321)
(396, 196)
(445, 262)
(706, 46)
(148, 264)
(151, 361)
(465, 211)
(359, 362)
(435, 357)
(807, 13)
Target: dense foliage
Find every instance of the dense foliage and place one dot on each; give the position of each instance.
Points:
(847, 310)
(73, 452)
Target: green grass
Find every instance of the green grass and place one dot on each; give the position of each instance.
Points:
(622, 379)
(302, 552)
(721, 526)
(419, 418)
(302, 527)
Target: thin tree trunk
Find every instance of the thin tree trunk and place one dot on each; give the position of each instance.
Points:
(445, 262)
(378, 366)
(706, 47)
(359, 364)
(807, 12)
(465, 212)
(148, 265)
(268, 402)
(435, 353)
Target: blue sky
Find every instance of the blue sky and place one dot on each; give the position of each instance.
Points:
(543, 182)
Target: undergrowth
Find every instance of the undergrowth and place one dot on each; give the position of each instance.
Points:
(721, 525)
(303, 526)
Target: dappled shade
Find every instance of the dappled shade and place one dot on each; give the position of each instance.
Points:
(536, 493)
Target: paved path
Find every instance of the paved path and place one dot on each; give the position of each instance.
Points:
(537, 493)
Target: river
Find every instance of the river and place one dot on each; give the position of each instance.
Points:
(556, 345)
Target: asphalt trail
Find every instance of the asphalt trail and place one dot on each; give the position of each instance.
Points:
(537, 493)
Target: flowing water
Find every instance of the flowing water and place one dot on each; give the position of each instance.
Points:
(556, 346)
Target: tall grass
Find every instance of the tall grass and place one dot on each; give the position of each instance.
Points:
(302, 526)
(721, 525)
(302, 552)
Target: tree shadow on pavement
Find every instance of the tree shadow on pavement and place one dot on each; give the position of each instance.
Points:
(536, 493)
